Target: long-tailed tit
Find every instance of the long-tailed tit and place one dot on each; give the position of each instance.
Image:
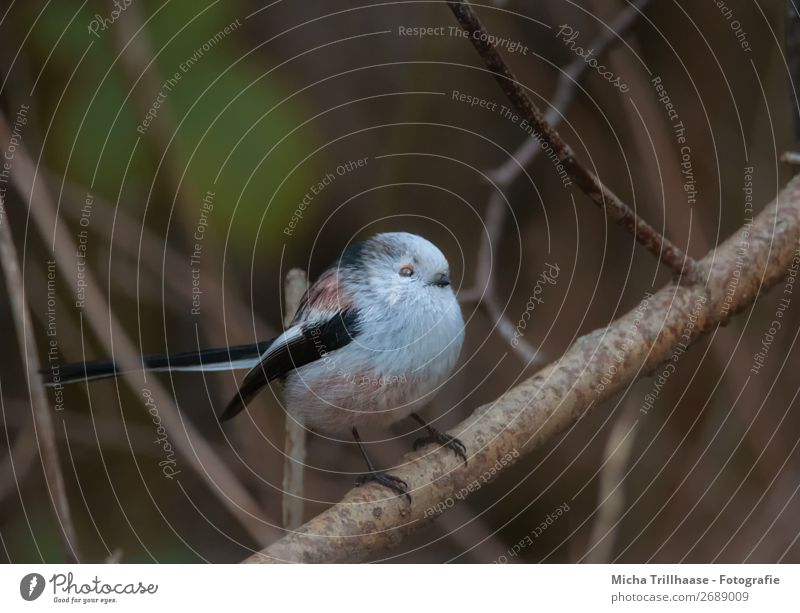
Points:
(373, 340)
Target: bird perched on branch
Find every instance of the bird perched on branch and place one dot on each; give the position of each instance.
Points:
(373, 340)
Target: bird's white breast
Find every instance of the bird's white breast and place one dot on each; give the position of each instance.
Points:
(395, 365)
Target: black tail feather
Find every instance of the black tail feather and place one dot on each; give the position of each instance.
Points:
(103, 369)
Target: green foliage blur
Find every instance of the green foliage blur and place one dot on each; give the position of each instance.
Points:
(231, 132)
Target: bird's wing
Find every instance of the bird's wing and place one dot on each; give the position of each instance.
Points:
(301, 344)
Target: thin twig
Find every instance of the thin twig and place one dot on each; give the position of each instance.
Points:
(85, 433)
(567, 87)
(21, 455)
(192, 445)
(667, 253)
(42, 419)
(137, 57)
(792, 33)
(151, 252)
(137, 63)
(484, 289)
(731, 352)
(611, 494)
(533, 413)
(295, 449)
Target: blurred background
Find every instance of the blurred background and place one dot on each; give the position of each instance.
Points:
(167, 163)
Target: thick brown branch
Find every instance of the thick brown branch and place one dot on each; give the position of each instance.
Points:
(533, 413)
(668, 253)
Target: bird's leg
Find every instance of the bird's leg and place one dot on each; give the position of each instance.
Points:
(397, 485)
(434, 436)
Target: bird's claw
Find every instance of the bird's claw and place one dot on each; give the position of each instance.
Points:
(396, 484)
(445, 440)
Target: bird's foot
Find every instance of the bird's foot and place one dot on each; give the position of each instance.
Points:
(397, 485)
(445, 440)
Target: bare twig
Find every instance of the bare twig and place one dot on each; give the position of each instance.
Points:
(537, 410)
(731, 352)
(567, 87)
(484, 289)
(84, 432)
(611, 493)
(151, 252)
(21, 455)
(792, 32)
(137, 60)
(667, 253)
(295, 449)
(40, 408)
(192, 445)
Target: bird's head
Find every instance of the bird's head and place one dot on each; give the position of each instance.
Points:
(399, 267)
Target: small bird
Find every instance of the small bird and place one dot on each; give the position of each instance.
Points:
(373, 340)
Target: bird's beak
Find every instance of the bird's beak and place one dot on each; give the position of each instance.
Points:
(441, 279)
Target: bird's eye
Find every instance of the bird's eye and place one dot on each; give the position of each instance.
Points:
(407, 271)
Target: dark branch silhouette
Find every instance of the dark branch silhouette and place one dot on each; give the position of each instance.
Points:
(668, 253)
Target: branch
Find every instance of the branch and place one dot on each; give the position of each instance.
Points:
(667, 253)
(567, 86)
(44, 432)
(192, 446)
(484, 290)
(137, 60)
(611, 486)
(536, 411)
(22, 452)
(295, 446)
(792, 32)
(158, 256)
